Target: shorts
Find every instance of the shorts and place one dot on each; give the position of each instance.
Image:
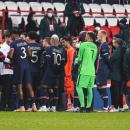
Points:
(35, 79)
(50, 80)
(22, 75)
(85, 81)
(102, 77)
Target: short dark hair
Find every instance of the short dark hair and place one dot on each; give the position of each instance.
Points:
(82, 36)
(119, 41)
(117, 36)
(48, 39)
(68, 39)
(24, 33)
(92, 35)
(123, 21)
(30, 16)
(32, 35)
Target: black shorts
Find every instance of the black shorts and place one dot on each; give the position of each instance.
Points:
(22, 75)
(35, 79)
(102, 77)
(51, 80)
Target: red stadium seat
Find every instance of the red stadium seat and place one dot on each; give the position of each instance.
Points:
(115, 30)
(89, 28)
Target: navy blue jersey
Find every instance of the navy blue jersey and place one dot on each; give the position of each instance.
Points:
(20, 56)
(35, 59)
(44, 59)
(103, 65)
(55, 58)
(104, 55)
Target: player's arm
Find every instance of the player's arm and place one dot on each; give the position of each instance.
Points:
(42, 58)
(80, 55)
(11, 53)
(96, 54)
(3, 52)
(70, 63)
(48, 55)
(105, 53)
(29, 51)
(64, 58)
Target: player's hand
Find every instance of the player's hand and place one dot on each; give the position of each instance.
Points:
(29, 51)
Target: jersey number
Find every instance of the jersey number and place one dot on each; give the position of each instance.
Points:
(24, 55)
(34, 57)
(57, 59)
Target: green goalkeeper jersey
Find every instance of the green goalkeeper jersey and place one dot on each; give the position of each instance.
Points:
(86, 58)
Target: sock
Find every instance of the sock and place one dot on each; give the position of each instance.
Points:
(55, 96)
(105, 98)
(104, 95)
(81, 96)
(89, 97)
(40, 102)
(32, 100)
(69, 103)
(105, 101)
(124, 100)
(76, 100)
(54, 102)
(48, 103)
(21, 102)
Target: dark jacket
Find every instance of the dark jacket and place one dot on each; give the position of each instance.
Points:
(74, 25)
(31, 26)
(45, 29)
(71, 7)
(126, 63)
(125, 33)
(116, 64)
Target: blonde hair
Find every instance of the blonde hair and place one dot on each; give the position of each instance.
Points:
(55, 40)
(103, 32)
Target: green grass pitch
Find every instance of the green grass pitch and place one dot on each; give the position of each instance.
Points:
(64, 121)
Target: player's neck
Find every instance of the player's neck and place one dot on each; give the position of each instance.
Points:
(68, 46)
(32, 41)
(17, 37)
(103, 40)
(90, 41)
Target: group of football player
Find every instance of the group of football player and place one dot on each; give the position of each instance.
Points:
(61, 72)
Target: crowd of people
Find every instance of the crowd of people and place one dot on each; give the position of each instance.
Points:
(58, 73)
(51, 23)
(57, 68)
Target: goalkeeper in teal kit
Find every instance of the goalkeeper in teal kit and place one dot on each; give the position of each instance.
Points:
(86, 60)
